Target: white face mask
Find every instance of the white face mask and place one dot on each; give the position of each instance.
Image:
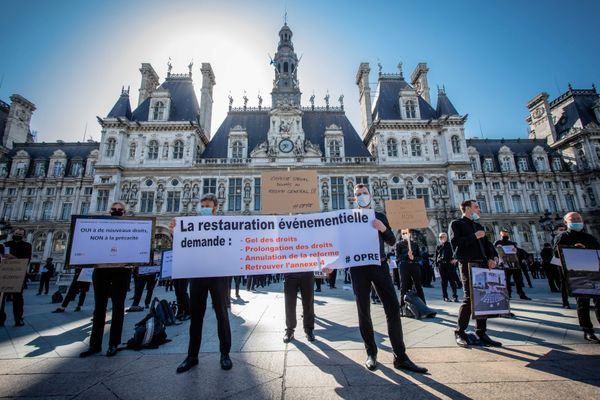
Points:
(474, 216)
(363, 200)
(442, 241)
(405, 236)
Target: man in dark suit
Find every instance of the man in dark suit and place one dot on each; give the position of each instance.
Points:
(18, 248)
(472, 249)
(515, 271)
(443, 260)
(575, 236)
(47, 272)
(409, 266)
(303, 282)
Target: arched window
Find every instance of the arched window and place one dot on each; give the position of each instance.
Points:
(153, 150)
(455, 144)
(436, 148)
(132, 148)
(404, 148)
(335, 149)
(158, 112)
(410, 109)
(415, 147)
(39, 242)
(178, 150)
(237, 150)
(59, 243)
(110, 147)
(392, 147)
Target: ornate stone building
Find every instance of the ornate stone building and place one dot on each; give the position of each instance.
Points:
(161, 156)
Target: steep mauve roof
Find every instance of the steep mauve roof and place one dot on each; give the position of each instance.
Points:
(184, 104)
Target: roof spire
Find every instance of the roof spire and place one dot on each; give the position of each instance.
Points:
(169, 67)
(400, 69)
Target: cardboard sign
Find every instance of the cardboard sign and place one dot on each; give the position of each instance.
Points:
(12, 275)
(285, 192)
(406, 214)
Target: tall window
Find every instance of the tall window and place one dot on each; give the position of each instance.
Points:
(540, 163)
(209, 185)
(58, 169)
(505, 164)
(147, 203)
(570, 200)
(335, 148)
(415, 147)
(111, 143)
(392, 147)
(257, 205)
(517, 203)
(488, 165)
(132, 149)
(39, 242)
(338, 200)
(436, 148)
(474, 164)
(102, 201)
(173, 201)
(59, 243)
(552, 204)
(76, 168)
(556, 164)
(535, 203)
(410, 109)
(47, 210)
(66, 211)
(364, 180)
(482, 201)
(85, 208)
(158, 112)
(423, 193)
(523, 164)
(234, 200)
(455, 144)
(397, 193)
(153, 150)
(40, 169)
(178, 150)
(27, 211)
(499, 203)
(237, 150)
(7, 211)
(463, 190)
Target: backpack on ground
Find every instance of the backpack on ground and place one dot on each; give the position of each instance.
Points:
(150, 332)
(164, 312)
(416, 308)
(57, 297)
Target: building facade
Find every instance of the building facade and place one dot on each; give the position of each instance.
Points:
(161, 156)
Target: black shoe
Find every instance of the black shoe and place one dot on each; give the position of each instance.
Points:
(446, 299)
(112, 351)
(310, 335)
(187, 364)
(567, 306)
(455, 298)
(461, 339)
(226, 363)
(317, 290)
(524, 297)
(20, 322)
(89, 352)
(77, 309)
(408, 365)
(488, 341)
(58, 310)
(135, 309)
(289, 336)
(590, 337)
(371, 363)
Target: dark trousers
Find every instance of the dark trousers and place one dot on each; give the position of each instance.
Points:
(426, 275)
(552, 274)
(518, 278)
(397, 281)
(583, 313)
(464, 312)
(526, 274)
(303, 282)
(318, 282)
(447, 276)
(17, 304)
(237, 280)
(113, 283)
(74, 288)
(183, 298)
(199, 289)
(332, 278)
(44, 282)
(410, 275)
(379, 276)
(147, 281)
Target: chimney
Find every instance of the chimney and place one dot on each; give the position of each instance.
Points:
(364, 97)
(206, 97)
(419, 81)
(149, 82)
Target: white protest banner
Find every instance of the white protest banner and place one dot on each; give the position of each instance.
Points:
(167, 262)
(86, 275)
(206, 246)
(110, 240)
(12, 274)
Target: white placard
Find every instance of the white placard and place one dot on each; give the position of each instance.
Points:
(509, 249)
(86, 275)
(150, 269)
(167, 264)
(111, 241)
(205, 246)
(556, 261)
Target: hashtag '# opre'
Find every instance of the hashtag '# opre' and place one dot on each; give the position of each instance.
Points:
(347, 259)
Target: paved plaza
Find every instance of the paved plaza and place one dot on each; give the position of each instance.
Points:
(544, 355)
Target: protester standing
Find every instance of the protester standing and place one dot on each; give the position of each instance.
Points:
(75, 287)
(17, 248)
(46, 274)
(443, 260)
(409, 266)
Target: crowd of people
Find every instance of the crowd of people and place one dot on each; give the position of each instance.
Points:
(464, 246)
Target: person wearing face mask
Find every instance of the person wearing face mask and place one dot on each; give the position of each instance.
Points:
(379, 275)
(18, 248)
(515, 272)
(443, 260)
(219, 293)
(409, 258)
(472, 249)
(109, 282)
(575, 236)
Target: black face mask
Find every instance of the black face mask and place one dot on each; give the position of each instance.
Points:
(118, 213)
(17, 238)
(504, 237)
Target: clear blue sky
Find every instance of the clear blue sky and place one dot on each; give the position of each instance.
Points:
(72, 57)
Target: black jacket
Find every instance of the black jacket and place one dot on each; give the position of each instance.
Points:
(465, 245)
(402, 252)
(20, 249)
(547, 254)
(571, 238)
(443, 253)
(385, 237)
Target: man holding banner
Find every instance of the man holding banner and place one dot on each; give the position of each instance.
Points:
(379, 275)
(17, 248)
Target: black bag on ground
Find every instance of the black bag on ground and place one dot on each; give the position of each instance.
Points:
(164, 312)
(57, 297)
(415, 307)
(150, 332)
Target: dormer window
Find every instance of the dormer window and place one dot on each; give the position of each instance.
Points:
(474, 164)
(392, 147)
(540, 163)
(158, 111)
(76, 169)
(556, 164)
(488, 165)
(335, 149)
(415, 147)
(20, 170)
(110, 147)
(40, 169)
(178, 150)
(455, 144)
(153, 150)
(523, 164)
(237, 150)
(58, 169)
(410, 109)
(505, 164)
